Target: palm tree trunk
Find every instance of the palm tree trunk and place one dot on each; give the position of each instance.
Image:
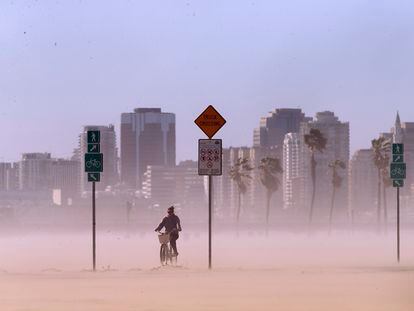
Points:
(384, 203)
(379, 201)
(332, 208)
(313, 176)
(238, 208)
(268, 197)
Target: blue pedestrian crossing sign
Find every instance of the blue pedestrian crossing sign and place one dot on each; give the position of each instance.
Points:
(93, 162)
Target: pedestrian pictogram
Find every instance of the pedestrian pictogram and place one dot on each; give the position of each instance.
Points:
(210, 121)
(398, 149)
(94, 137)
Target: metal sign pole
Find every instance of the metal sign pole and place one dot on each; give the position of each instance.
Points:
(210, 184)
(398, 224)
(93, 228)
(210, 157)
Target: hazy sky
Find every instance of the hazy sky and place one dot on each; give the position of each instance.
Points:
(64, 64)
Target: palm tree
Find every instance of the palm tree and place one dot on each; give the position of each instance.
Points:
(315, 142)
(240, 174)
(380, 149)
(269, 168)
(336, 183)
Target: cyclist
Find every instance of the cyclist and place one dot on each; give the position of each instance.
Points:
(172, 226)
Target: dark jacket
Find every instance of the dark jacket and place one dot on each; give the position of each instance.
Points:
(170, 223)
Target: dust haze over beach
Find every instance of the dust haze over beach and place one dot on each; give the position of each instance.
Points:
(288, 270)
(304, 213)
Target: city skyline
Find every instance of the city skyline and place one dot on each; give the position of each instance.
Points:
(61, 72)
(15, 156)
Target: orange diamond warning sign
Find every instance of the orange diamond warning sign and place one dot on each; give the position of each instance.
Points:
(210, 121)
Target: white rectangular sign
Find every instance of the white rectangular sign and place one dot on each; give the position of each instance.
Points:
(209, 157)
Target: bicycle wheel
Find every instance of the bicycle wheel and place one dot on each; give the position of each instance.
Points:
(172, 258)
(163, 254)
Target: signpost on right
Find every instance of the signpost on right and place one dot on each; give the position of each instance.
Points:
(398, 174)
(93, 167)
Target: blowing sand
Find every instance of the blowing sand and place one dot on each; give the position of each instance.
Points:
(284, 271)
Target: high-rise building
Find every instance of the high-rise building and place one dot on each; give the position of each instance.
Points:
(222, 185)
(276, 125)
(147, 138)
(337, 148)
(41, 172)
(167, 185)
(65, 175)
(254, 198)
(363, 182)
(291, 173)
(109, 176)
(9, 176)
(34, 172)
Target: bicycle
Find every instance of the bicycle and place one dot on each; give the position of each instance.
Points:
(93, 163)
(166, 251)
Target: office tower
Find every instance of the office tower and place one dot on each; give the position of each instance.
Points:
(291, 172)
(147, 138)
(179, 185)
(34, 172)
(41, 172)
(109, 176)
(363, 183)
(65, 175)
(276, 125)
(9, 176)
(337, 148)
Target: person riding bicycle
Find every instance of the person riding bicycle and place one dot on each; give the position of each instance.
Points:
(172, 226)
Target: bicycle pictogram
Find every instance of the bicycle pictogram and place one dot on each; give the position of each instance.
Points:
(93, 163)
(398, 171)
